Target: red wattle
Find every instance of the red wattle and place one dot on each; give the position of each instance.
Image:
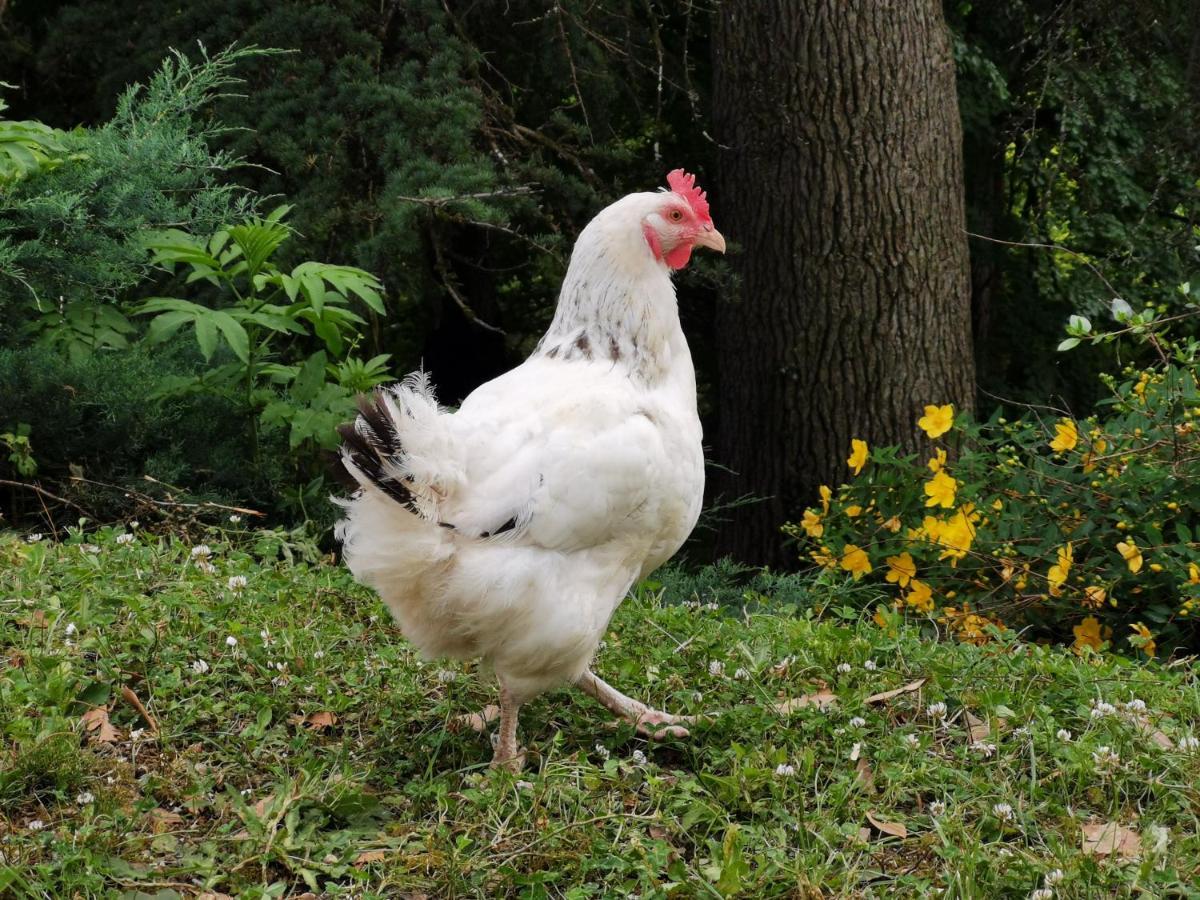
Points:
(678, 258)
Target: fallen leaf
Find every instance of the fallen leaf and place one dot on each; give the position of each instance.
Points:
(369, 856)
(977, 728)
(1155, 735)
(895, 829)
(896, 692)
(864, 835)
(822, 699)
(659, 833)
(476, 721)
(316, 721)
(98, 727)
(260, 807)
(164, 820)
(1111, 839)
(132, 699)
(865, 776)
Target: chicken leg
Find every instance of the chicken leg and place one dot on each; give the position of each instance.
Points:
(506, 754)
(638, 714)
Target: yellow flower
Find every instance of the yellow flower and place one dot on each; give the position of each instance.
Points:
(853, 512)
(937, 420)
(920, 597)
(893, 524)
(1094, 596)
(997, 504)
(1098, 447)
(858, 455)
(826, 493)
(1133, 556)
(957, 533)
(901, 569)
(855, 561)
(824, 558)
(1065, 436)
(811, 523)
(937, 460)
(1193, 573)
(1087, 634)
(941, 490)
(1059, 571)
(1147, 639)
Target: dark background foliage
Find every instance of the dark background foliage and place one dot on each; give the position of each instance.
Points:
(455, 149)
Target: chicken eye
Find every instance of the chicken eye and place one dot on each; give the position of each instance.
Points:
(676, 216)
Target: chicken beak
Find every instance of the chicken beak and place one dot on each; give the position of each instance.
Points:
(711, 238)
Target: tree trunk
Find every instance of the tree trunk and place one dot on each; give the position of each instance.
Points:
(841, 179)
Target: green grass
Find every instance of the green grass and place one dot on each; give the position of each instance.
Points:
(236, 796)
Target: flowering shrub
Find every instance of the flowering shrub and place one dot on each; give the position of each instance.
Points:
(1080, 529)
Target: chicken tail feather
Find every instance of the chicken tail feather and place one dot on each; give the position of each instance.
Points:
(369, 443)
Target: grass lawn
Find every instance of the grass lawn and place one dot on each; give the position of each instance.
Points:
(302, 749)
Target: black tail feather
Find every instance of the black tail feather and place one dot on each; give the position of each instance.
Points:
(367, 442)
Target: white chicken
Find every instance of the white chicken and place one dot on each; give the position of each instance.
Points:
(511, 529)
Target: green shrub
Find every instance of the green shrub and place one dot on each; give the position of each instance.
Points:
(1082, 529)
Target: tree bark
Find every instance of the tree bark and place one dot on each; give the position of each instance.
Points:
(841, 179)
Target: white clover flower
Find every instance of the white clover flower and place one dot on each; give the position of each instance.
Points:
(280, 666)
(125, 538)
(318, 654)
(783, 770)
(524, 785)
(33, 539)
(85, 798)
(236, 582)
(936, 710)
(858, 722)
(1136, 706)
(1189, 743)
(136, 733)
(1003, 812)
(1100, 709)
(716, 668)
(697, 697)
(35, 824)
(89, 548)
(1064, 735)
(70, 629)
(1159, 836)
(638, 757)
(912, 740)
(235, 518)
(205, 566)
(231, 641)
(1106, 760)
(1023, 731)
(844, 668)
(135, 524)
(1043, 893)
(200, 667)
(984, 749)
(856, 751)
(870, 666)
(265, 635)
(445, 676)
(1053, 877)
(712, 607)
(201, 551)
(602, 751)
(937, 809)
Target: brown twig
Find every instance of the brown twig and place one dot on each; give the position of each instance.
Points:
(45, 493)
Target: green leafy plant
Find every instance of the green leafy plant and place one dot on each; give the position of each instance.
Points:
(259, 325)
(20, 451)
(27, 147)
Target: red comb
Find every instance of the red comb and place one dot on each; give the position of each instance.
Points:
(684, 184)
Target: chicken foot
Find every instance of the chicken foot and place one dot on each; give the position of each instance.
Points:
(638, 714)
(505, 752)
